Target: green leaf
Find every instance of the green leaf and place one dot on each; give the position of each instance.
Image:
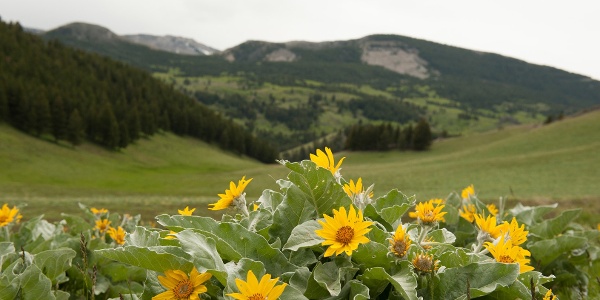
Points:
(404, 281)
(234, 241)
(531, 215)
(324, 281)
(76, 224)
(545, 251)
(358, 291)
(270, 199)
(240, 270)
(553, 227)
(304, 235)
(203, 251)
(8, 287)
(142, 237)
(117, 271)
(372, 255)
(61, 295)
(299, 279)
(35, 285)
(54, 262)
(158, 258)
(7, 250)
(303, 257)
(442, 236)
(483, 278)
(314, 192)
(258, 220)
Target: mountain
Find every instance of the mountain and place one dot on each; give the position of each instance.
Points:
(65, 95)
(169, 43)
(296, 92)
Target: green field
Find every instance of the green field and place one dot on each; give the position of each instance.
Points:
(559, 162)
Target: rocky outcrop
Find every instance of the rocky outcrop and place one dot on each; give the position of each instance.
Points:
(395, 56)
(171, 43)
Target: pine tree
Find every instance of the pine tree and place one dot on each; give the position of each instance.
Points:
(422, 136)
(75, 128)
(59, 120)
(108, 127)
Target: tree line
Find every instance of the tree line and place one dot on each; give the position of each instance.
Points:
(48, 89)
(383, 137)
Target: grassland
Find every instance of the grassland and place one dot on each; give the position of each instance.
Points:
(559, 162)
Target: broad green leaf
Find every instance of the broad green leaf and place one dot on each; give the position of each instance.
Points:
(8, 287)
(303, 257)
(404, 281)
(393, 198)
(372, 255)
(234, 241)
(304, 235)
(453, 259)
(314, 192)
(545, 251)
(324, 281)
(553, 227)
(270, 199)
(159, 258)
(61, 295)
(531, 215)
(54, 262)
(7, 249)
(76, 224)
(152, 286)
(117, 271)
(299, 279)
(483, 278)
(204, 253)
(258, 220)
(35, 285)
(358, 291)
(393, 215)
(441, 236)
(142, 237)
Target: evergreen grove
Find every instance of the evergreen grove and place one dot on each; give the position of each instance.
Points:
(49, 90)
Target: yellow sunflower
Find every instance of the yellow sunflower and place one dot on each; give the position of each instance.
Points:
(179, 286)
(468, 192)
(427, 213)
(400, 242)
(344, 232)
(171, 235)
(425, 263)
(97, 211)
(468, 212)
(251, 289)
(492, 209)
(186, 211)
(118, 235)
(549, 295)
(102, 225)
(7, 215)
(326, 160)
(516, 234)
(505, 252)
(233, 193)
(489, 225)
(352, 189)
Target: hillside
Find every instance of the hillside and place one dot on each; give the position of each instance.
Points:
(264, 86)
(541, 164)
(62, 94)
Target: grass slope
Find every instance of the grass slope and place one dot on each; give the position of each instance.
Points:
(557, 162)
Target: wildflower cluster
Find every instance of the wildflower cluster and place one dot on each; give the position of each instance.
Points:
(319, 236)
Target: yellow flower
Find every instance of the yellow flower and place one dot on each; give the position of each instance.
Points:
(489, 225)
(492, 209)
(118, 235)
(598, 226)
(549, 295)
(343, 232)
(425, 263)
(171, 235)
(231, 194)
(326, 160)
(400, 242)
(255, 207)
(517, 235)
(98, 211)
(179, 286)
(186, 211)
(468, 192)
(468, 212)
(426, 213)
(251, 289)
(102, 225)
(7, 215)
(506, 252)
(352, 189)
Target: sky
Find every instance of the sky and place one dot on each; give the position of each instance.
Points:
(561, 34)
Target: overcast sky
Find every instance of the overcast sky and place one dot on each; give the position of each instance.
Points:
(562, 34)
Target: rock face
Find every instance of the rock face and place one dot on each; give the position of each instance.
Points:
(395, 56)
(171, 43)
(281, 55)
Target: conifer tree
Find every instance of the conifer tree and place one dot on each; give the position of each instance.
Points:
(58, 119)
(421, 136)
(75, 128)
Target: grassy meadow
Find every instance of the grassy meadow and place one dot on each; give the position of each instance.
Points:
(559, 162)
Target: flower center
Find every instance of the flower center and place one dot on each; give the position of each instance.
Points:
(506, 259)
(3, 219)
(428, 216)
(183, 289)
(423, 263)
(400, 247)
(257, 296)
(344, 235)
